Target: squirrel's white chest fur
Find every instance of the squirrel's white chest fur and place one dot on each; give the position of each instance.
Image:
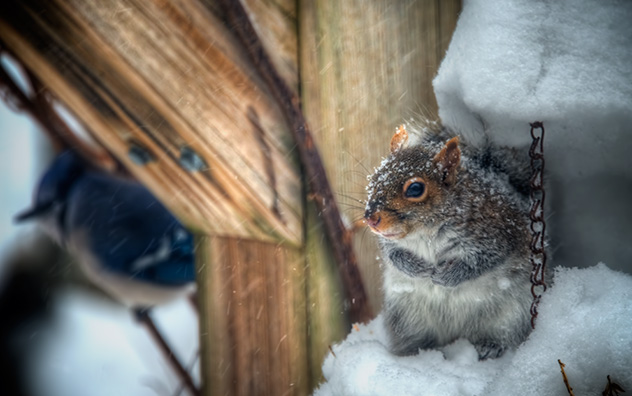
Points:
(472, 308)
(451, 311)
(425, 244)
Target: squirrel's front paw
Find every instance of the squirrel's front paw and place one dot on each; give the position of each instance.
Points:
(489, 350)
(409, 263)
(450, 272)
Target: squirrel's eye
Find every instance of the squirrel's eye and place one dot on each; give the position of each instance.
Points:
(415, 189)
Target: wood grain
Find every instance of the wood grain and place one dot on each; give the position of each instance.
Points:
(328, 320)
(311, 161)
(254, 337)
(167, 75)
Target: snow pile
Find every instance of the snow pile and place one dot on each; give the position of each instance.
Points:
(518, 61)
(568, 64)
(584, 321)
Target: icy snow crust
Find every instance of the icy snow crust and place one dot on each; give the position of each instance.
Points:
(585, 321)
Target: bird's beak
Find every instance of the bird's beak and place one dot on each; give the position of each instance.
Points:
(31, 213)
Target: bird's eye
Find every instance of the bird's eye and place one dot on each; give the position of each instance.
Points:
(415, 189)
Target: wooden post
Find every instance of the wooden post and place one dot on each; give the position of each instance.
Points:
(254, 330)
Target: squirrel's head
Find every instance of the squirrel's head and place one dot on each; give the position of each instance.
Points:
(410, 187)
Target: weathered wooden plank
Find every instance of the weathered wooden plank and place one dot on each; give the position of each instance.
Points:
(319, 187)
(166, 76)
(365, 68)
(276, 25)
(254, 338)
(327, 313)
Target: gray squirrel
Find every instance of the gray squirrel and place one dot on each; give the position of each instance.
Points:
(453, 224)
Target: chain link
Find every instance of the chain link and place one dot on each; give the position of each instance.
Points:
(536, 214)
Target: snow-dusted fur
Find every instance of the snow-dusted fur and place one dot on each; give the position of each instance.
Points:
(459, 263)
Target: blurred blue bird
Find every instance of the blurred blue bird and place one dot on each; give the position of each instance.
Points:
(124, 239)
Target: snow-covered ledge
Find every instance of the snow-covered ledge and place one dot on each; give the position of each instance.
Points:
(584, 321)
(568, 64)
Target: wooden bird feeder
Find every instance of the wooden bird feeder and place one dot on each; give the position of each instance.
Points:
(172, 80)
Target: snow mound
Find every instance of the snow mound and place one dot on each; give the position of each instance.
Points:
(584, 320)
(569, 65)
(520, 61)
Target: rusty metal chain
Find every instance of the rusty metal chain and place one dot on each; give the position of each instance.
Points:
(536, 214)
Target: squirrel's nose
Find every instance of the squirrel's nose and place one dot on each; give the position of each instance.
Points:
(373, 219)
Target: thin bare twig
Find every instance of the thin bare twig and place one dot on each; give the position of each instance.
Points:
(144, 318)
(39, 107)
(189, 369)
(568, 386)
(612, 388)
(340, 237)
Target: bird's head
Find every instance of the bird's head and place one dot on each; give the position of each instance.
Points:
(50, 197)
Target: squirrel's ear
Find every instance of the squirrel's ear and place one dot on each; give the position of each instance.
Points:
(449, 159)
(399, 139)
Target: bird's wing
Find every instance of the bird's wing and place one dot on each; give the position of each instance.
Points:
(131, 230)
